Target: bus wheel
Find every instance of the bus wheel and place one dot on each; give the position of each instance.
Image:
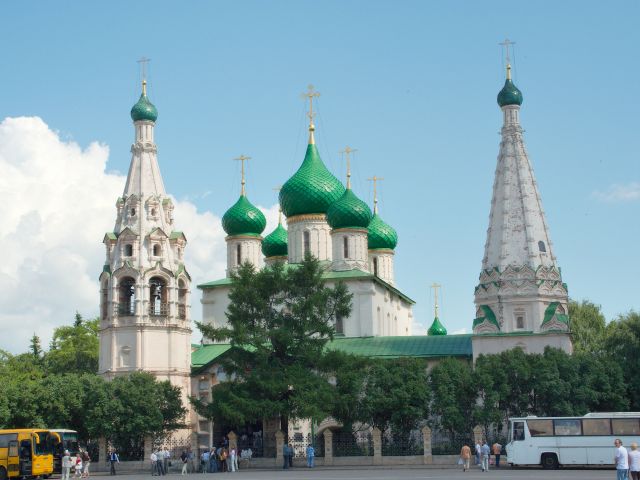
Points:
(3, 474)
(549, 461)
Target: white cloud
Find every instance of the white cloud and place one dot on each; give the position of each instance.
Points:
(620, 193)
(460, 331)
(56, 202)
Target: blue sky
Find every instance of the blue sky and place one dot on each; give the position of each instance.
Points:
(410, 84)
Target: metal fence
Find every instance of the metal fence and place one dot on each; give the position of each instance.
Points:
(445, 443)
(299, 442)
(402, 444)
(352, 444)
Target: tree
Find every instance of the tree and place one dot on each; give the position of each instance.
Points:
(454, 396)
(35, 347)
(75, 348)
(588, 326)
(623, 345)
(279, 322)
(350, 377)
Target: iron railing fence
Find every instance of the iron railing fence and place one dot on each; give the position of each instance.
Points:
(402, 444)
(352, 444)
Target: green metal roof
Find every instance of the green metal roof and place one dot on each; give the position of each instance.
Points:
(509, 95)
(175, 235)
(243, 218)
(381, 234)
(413, 346)
(275, 244)
(144, 110)
(111, 236)
(349, 212)
(436, 328)
(203, 355)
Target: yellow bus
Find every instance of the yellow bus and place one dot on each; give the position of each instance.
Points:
(27, 453)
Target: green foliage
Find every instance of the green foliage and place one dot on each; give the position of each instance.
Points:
(74, 349)
(35, 347)
(623, 347)
(454, 395)
(350, 375)
(588, 327)
(279, 321)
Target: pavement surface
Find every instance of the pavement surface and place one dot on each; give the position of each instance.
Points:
(390, 473)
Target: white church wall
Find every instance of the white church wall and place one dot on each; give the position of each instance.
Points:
(319, 237)
(491, 344)
(215, 303)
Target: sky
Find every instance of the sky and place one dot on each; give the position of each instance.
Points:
(411, 85)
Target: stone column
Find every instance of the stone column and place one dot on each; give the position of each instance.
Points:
(103, 454)
(233, 441)
(427, 457)
(377, 446)
(328, 447)
(279, 448)
(477, 435)
(148, 448)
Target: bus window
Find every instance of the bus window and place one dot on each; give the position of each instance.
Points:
(518, 431)
(540, 428)
(567, 427)
(625, 426)
(596, 426)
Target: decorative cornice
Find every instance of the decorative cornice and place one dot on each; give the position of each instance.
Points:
(307, 217)
(140, 147)
(349, 230)
(230, 238)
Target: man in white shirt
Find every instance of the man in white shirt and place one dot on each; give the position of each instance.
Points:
(621, 460)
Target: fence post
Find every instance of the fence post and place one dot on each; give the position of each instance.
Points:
(328, 447)
(279, 448)
(377, 446)
(233, 441)
(477, 435)
(427, 457)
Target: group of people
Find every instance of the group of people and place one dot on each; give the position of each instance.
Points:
(288, 453)
(80, 463)
(627, 462)
(160, 462)
(220, 459)
(483, 453)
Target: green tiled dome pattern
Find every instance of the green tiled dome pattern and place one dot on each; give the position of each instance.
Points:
(312, 189)
(349, 212)
(381, 235)
(243, 219)
(275, 244)
(436, 328)
(509, 95)
(144, 110)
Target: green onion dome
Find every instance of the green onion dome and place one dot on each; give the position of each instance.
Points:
(509, 95)
(244, 219)
(349, 212)
(381, 235)
(275, 244)
(436, 328)
(144, 109)
(312, 189)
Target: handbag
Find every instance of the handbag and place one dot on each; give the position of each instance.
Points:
(460, 461)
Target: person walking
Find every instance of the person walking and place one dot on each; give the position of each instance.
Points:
(621, 459)
(478, 448)
(86, 460)
(285, 456)
(66, 464)
(192, 466)
(465, 456)
(292, 452)
(113, 459)
(204, 461)
(166, 460)
(233, 456)
(154, 464)
(78, 465)
(213, 461)
(497, 450)
(311, 455)
(185, 462)
(485, 451)
(634, 461)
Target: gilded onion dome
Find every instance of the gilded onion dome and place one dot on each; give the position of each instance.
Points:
(275, 244)
(349, 212)
(243, 218)
(144, 109)
(510, 94)
(436, 328)
(312, 189)
(381, 234)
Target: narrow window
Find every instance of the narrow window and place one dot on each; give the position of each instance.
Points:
(339, 325)
(345, 246)
(375, 266)
(306, 237)
(238, 254)
(133, 212)
(541, 246)
(105, 300)
(156, 250)
(520, 322)
(158, 305)
(128, 250)
(153, 212)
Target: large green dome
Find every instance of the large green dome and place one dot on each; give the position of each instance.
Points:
(436, 328)
(381, 235)
(275, 244)
(509, 95)
(349, 212)
(144, 110)
(312, 189)
(244, 219)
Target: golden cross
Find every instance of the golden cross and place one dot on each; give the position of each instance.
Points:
(311, 94)
(277, 189)
(348, 151)
(375, 181)
(506, 44)
(435, 287)
(143, 64)
(242, 159)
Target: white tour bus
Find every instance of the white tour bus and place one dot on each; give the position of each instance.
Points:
(556, 441)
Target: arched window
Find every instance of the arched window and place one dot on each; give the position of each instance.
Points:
(339, 325)
(128, 250)
(156, 250)
(133, 212)
(182, 300)
(125, 356)
(541, 246)
(306, 242)
(345, 246)
(375, 266)
(127, 297)
(104, 304)
(379, 322)
(153, 212)
(238, 254)
(158, 305)
(519, 314)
